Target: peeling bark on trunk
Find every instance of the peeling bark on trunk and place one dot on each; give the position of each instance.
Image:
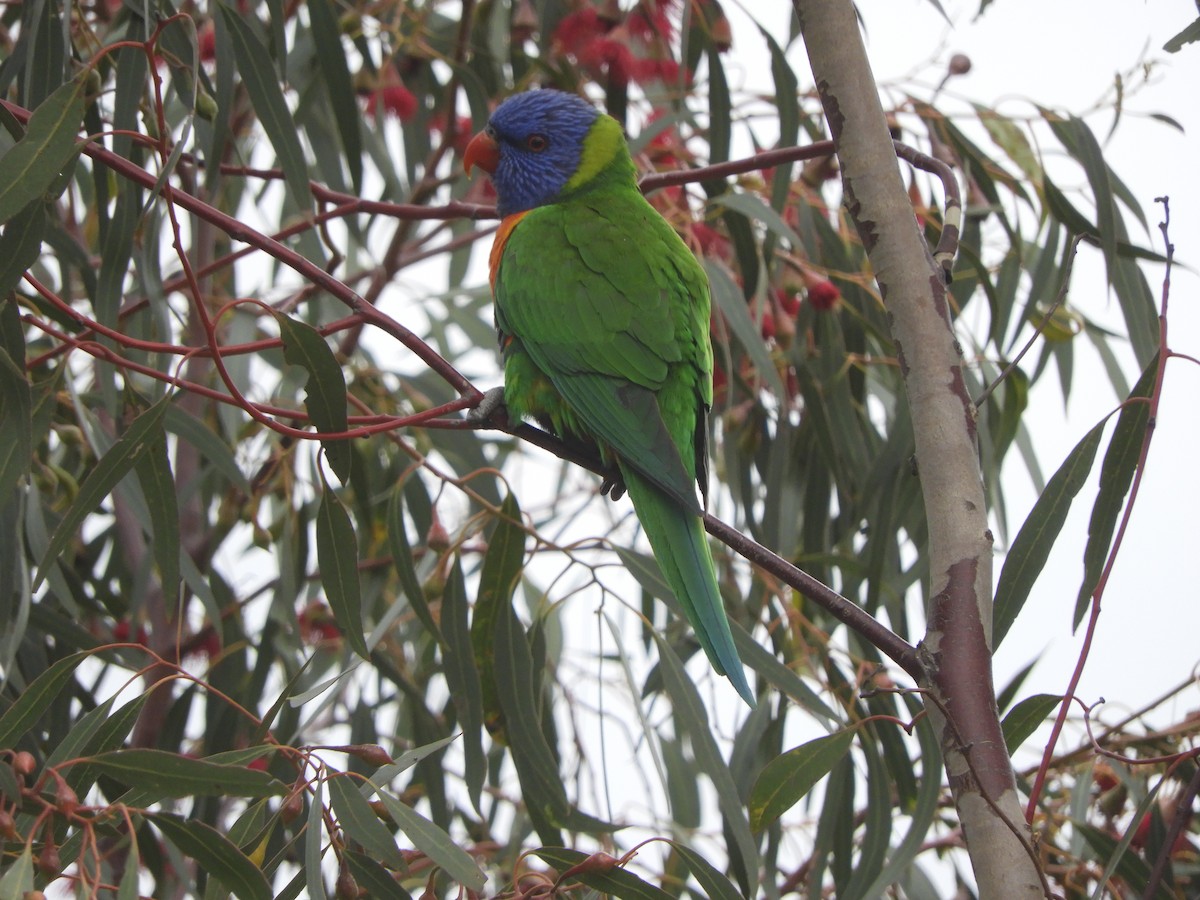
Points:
(956, 652)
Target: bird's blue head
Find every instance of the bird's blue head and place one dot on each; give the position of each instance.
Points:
(539, 144)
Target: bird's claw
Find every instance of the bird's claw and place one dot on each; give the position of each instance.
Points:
(613, 486)
(490, 409)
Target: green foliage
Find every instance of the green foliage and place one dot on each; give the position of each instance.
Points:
(209, 645)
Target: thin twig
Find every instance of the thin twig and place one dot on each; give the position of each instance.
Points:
(1127, 513)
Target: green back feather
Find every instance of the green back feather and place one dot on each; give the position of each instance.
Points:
(608, 312)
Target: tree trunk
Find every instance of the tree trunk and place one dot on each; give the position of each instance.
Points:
(956, 653)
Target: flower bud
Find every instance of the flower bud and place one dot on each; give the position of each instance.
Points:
(960, 64)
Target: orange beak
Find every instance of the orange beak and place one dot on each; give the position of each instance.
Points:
(482, 151)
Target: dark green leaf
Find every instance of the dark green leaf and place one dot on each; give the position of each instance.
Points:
(208, 444)
(787, 778)
(715, 885)
(251, 831)
(117, 239)
(1169, 121)
(331, 56)
(1024, 718)
(29, 169)
(517, 694)
(128, 888)
(692, 720)
(374, 878)
(402, 559)
(1065, 212)
(930, 782)
(262, 84)
(877, 834)
(101, 480)
(465, 685)
(1008, 693)
(610, 880)
(48, 41)
(360, 823)
(497, 582)
(95, 732)
(1189, 35)
(16, 421)
(1079, 141)
(313, 844)
(728, 299)
(752, 207)
(787, 93)
(1033, 543)
(505, 557)
(173, 775)
(153, 470)
(19, 718)
(1137, 306)
(720, 108)
(21, 244)
(435, 843)
(1116, 473)
(18, 880)
(683, 790)
(325, 390)
(1118, 859)
(337, 557)
(216, 854)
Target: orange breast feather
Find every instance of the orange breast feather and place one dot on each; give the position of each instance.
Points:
(507, 224)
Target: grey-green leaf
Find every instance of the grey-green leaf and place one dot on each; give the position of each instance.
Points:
(788, 777)
(727, 297)
(1024, 718)
(1033, 543)
(101, 480)
(337, 557)
(359, 822)
(1116, 473)
(219, 856)
(1189, 35)
(18, 880)
(29, 169)
(325, 390)
(609, 879)
(262, 84)
(715, 885)
(16, 423)
(692, 719)
(21, 244)
(36, 698)
(435, 843)
(173, 775)
(331, 57)
(153, 470)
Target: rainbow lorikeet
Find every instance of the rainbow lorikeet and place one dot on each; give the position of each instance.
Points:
(603, 319)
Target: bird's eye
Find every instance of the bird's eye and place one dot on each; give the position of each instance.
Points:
(537, 142)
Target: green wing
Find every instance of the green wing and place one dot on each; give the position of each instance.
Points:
(609, 304)
(601, 299)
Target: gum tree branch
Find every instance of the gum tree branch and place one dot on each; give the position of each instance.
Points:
(364, 312)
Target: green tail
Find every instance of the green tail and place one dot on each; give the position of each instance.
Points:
(677, 538)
